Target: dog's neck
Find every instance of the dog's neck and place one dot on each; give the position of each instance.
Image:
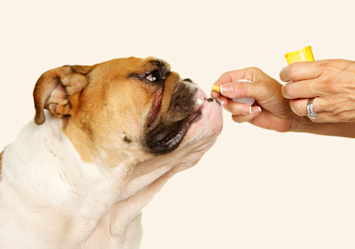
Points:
(86, 194)
(62, 176)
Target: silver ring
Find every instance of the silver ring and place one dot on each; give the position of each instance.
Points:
(310, 111)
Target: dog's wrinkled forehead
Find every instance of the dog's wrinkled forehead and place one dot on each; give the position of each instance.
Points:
(162, 68)
(126, 67)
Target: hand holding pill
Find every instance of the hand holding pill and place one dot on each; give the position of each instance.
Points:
(273, 111)
(238, 105)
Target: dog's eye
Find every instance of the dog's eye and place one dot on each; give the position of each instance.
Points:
(153, 76)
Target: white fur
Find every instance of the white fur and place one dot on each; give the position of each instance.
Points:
(50, 198)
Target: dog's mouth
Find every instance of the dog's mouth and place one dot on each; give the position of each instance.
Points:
(164, 134)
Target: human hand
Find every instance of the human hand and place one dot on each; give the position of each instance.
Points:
(330, 82)
(276, 113)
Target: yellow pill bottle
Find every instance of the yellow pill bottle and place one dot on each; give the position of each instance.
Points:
(304, 54)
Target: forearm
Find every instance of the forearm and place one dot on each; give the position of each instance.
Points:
(330, 129)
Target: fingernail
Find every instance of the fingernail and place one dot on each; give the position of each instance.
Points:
(259, 108)
(226, 89)
(246, 109)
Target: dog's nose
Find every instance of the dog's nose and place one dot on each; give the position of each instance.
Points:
(214, 99)
(188, 80)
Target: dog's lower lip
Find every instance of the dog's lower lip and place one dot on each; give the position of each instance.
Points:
(173, 140)
(170, 141)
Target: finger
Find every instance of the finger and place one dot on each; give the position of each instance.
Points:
(304, 89)
(327, 117)
(215, 94)
(244, 89)
(302, 70)
(224, 100)
(238, 108)
(255, 111)
(251, 73)
(233, 76)
(299, 106)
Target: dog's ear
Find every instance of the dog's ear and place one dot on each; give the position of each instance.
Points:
(54, 88)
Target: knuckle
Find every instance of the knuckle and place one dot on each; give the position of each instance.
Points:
(325, 65)
(297, 108)
(332, 105)
(244, 88)
(288, 90)
(254, 72)
(329, 67)
(253, 69)
(333, 112)
(332, 86)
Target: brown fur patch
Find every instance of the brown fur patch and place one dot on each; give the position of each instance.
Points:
(116, 99)
(112, 97)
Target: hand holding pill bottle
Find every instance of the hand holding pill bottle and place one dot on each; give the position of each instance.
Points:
(271, 110)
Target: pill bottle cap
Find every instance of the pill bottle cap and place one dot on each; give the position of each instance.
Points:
(305, 54)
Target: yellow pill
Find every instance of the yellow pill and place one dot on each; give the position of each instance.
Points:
(216, 89)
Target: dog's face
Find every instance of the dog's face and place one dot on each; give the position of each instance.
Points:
(127, 108)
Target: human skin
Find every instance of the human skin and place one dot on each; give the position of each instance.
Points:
(330, 82)
(276, 113)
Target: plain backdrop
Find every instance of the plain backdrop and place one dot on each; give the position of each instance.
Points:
(255, 188)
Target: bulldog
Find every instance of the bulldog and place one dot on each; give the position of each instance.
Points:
(111, 136)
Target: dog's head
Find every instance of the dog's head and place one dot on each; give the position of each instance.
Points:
(127, 108)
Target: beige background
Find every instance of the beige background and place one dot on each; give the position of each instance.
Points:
(255, 188)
